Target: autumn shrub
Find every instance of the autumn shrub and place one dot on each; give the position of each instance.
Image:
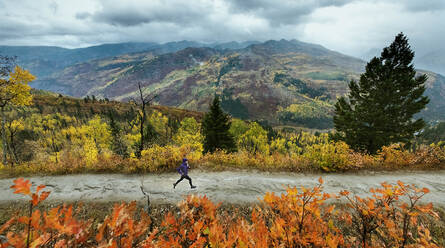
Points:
(65, 144)
(434, 154)
(191, 228)
(89, 152)
(125, 227)
(326, 157)
(278, 145)
(57, 227)
(359, 160)
(395, 155)
(330, 156)
(390, 217)
(161, 158)
(300, 218)
(245, 160)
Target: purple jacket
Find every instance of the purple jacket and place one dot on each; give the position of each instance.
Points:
(183, 168)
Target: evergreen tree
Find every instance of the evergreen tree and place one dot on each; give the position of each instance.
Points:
(381, 105)
(150, 134)
(215, 126)
(173, 126)
(118, 146)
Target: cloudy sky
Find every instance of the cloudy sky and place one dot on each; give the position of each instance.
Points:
(349, 26)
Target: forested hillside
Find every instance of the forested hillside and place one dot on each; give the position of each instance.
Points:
(42, 61)
(288, 83)
(58, 134)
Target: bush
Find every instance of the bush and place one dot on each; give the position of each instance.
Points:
(391, 217)
(330, 156)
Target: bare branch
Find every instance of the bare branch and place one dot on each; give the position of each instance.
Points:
(149, 99)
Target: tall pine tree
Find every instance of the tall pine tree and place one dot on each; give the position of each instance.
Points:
(381, 105)
(215, 126)
(118, 145)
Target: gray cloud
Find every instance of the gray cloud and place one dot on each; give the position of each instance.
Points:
(348, 26)
(421, 6)
(282, 12)
(82, 15)
(178, 12)
(54, 7)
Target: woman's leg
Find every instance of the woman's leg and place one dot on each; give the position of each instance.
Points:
(190, 180)
(180, 179)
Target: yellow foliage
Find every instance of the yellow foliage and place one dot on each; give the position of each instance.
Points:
(49, 128)
(90, 152)
(95, 131)
(158, 121)
(298, 142)
(255, 139)
(17, 125)
(278, 145)
(238, 128)
(330, 156)
(132, 138)
(160, 158)
(16, 90)
(189, 134)
(54, 157)
(65, 145)
(99, 132)
(396, 155)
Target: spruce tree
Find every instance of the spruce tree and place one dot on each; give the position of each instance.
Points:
(381, 105)
(215, 126)
(118, 146)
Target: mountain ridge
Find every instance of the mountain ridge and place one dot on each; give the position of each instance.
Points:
(284, 82)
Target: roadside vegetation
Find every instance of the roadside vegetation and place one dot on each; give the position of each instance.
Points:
(100, 140)
(391, 217)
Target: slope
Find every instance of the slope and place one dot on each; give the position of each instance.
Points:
(283, 82)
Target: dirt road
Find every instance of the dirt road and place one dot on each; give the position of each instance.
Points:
(230, 187)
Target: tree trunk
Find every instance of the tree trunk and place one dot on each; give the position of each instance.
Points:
(5, 149)
(142, 116)
(141, 148)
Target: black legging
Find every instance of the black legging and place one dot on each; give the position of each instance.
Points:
(182, 178)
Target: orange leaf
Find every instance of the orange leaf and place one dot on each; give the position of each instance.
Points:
(21, 186)
(60, 244)
(35, 219)
(6, 225)
(44, 195)
(344, 193)
(40, 187)
(40, 240)
(35, 199)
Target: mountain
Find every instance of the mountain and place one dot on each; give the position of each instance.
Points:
(434, 61)
(42, 61)
(285, 82)
(232, 45)
(435, 90)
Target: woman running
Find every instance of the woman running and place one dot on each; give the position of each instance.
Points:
(183, 170)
